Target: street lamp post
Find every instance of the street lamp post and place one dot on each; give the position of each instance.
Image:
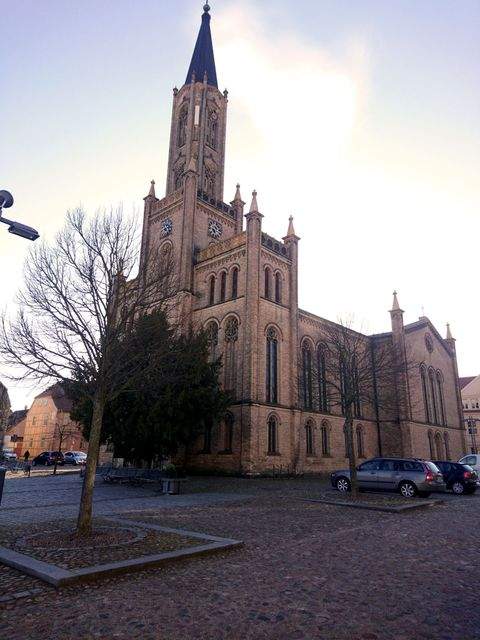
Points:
(17, 228)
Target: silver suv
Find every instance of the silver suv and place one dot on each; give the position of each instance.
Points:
(409, 476)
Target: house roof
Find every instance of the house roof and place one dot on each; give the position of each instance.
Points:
(59, 397)
(15, 417)
(466, 380)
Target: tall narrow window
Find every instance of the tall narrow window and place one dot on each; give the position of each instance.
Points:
(231, 338)
(438, 446)
(431, 444)
(182, 127)
(234, 283)
(343, 389)
(211, 291)
(345, 437)
(433, 395)
(357, 407)
(322, 379)
(360, 443)
(267, 283)
(207, 438)
(278, 288)
(325, 440)
(272, 366)
(229, 421)
(212, 338)
(223, 286)
(272, 435)
(446, 442)
(441, 399)
(307, 376)
(426, 400)
(212, 129)
(309, 438)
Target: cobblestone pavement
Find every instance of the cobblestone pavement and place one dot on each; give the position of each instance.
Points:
(307, 571)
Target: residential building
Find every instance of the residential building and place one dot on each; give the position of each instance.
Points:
(470, 389)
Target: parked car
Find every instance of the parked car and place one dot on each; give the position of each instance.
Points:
(75, 457)
(409, 476)
(473, 460)
(460, 478)
(6, 455)
(48, 458)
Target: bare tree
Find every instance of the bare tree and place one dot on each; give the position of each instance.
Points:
(77, 310)
(63, 430)
(355, 373)
(5, 410)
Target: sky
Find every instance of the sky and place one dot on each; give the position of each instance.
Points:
(361, 118)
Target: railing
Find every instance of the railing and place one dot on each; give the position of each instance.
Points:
(217, 204)
(274, 245)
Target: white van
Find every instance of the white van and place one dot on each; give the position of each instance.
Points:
(473, 460)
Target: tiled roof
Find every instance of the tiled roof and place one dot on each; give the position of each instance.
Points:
(57, 394)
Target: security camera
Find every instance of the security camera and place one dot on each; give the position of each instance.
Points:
(19, 229)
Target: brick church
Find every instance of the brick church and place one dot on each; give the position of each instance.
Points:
(240, 284)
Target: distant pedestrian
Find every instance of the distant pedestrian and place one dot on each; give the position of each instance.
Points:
(26, 455)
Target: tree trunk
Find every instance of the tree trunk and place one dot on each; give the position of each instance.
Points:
(351, 455)
(84, 522)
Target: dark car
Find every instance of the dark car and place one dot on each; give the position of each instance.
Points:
(48, 458)
(408, 476)
(459, 478)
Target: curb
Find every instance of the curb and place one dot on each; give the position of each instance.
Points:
(399, 509)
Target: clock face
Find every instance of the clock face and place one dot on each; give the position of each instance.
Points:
(215, 229)
(167, 227)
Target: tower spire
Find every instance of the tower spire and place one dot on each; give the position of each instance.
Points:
(203, 59)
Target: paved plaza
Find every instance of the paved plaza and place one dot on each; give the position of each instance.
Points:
(306, 570)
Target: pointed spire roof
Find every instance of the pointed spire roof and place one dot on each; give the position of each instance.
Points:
(238, 196)
(291, 230)
(203, 59)
(152, 189)
(395, 306)
(254, 205)
(449, 332)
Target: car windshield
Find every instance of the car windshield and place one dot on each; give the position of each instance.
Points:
(433, 467)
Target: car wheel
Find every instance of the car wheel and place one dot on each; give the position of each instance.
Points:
(408, 489)
(343, 485)
(458, 488)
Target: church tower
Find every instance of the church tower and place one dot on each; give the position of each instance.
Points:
(199, 118)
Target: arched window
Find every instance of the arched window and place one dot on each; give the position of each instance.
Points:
(212, 129)
(211, 291)
(278, 288)
(223, 286)
(212, 338)
(231, 338)
(182, 126)
(431, 444)
(438, 446)
(309, 427)
(446, 442)
(229, 422)
(324, 432)
(441, 398)
(268, 276)
(178, 176)
(433, 394)
(272, 366)
(209, 182)
(272, 435)
(322, 378)
(234, 283)
(360, 442)
(307, 376)
(426, 399)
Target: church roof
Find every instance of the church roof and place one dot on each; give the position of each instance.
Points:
(203, 59)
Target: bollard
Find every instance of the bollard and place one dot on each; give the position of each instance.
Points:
(3, 471)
